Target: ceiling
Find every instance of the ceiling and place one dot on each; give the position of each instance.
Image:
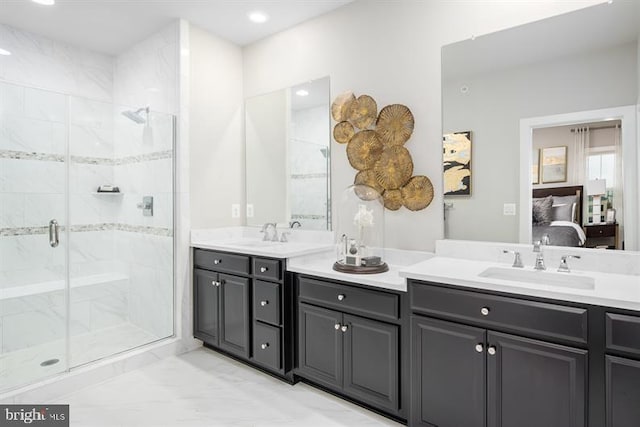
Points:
(111, 26)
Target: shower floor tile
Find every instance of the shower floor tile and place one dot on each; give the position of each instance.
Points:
(23, 366)
(203, 388)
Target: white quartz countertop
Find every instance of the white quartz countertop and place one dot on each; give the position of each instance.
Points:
(248, 240)
(321, 265)
(611, 290)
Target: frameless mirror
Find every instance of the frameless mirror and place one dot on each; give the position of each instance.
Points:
(288, 156)
(515, 88)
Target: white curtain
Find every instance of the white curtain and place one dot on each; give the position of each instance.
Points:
(580, 150)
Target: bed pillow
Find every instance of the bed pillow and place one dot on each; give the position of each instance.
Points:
(565, 204)
(542, 210)
(563, 212)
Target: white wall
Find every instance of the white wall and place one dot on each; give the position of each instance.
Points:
(216, 130)
(391, 51)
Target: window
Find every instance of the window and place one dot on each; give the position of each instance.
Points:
(602, 165)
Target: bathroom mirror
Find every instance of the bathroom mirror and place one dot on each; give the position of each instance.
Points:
(574, 70)
(288, 156)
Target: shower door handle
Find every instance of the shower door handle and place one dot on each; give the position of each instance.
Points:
(54, 239)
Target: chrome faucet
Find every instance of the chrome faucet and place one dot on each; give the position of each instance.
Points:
(537, 248)
(270, 231)
(293, 224)
(517, 260)
(564, 265)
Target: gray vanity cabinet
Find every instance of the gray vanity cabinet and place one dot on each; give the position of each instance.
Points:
(221, 311)
(344, 347)
(622, 366)
(468, 369)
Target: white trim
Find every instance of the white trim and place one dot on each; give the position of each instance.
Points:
(627, 114)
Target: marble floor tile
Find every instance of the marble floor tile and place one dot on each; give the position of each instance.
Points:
(204, 388)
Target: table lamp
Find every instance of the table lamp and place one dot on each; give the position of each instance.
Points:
(596, 188)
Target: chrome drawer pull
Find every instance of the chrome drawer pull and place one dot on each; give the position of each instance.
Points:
(344, 328)
(479, 348)
(263, 269)
(263, 303)
(264, 346)
(217, 261)
(341, 297)
(484, 311)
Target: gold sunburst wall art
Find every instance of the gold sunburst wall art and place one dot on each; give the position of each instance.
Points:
(375, 144)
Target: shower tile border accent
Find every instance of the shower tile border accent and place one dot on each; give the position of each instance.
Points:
(27, 155)
(141, 229)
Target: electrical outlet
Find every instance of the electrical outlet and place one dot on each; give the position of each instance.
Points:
(509, 209)
(249, 210)
(235, 211)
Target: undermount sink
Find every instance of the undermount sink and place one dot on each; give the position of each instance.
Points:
(255, 243)
(566, 280)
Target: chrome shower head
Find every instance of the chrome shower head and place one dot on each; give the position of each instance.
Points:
(136, 116)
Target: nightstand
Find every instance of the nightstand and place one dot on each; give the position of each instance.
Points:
(601, 236)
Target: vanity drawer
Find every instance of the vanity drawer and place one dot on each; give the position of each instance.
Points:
(221, 261)
(266, 345)
(511, 314)
(623, 333)
(266, 301)
(265, 268)
(343, 297)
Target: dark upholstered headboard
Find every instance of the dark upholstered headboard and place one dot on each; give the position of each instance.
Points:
(576, 190)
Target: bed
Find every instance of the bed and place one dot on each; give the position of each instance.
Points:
(557, 213)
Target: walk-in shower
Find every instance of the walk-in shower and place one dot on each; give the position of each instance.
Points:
(83, 273)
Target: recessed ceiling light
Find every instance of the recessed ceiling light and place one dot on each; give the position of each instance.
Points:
(45, 2)
(4, 52)
(302, 92)
(258, 17)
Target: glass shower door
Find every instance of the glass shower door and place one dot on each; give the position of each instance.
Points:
(33, 243)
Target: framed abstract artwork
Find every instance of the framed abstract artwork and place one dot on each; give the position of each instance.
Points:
(456, 156)
(554, 164)
(535, 166)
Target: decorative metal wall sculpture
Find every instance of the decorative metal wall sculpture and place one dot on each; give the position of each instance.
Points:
(375, 147)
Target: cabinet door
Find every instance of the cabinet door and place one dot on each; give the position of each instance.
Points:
(448, 384)
(534, 383)
(320, 345)
(205, 306)
(234, 314)
(371, 354)
(623, 392)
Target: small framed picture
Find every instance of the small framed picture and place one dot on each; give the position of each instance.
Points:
(611, 216)
(554, 164)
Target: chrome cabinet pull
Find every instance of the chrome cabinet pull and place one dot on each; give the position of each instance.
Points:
(54, 239)
(341, 297)
(491, 350)
(344, 328)
(263, 269)
(484, 311)
(479, 348)
(264, 346)
(263, 303)
(217, 261)
(336, 326)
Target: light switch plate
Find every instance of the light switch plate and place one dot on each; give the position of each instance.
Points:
(509, 209)
(235, 210)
